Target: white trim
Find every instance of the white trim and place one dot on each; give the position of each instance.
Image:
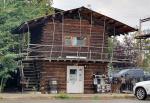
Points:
(76, 57)
(78, 85)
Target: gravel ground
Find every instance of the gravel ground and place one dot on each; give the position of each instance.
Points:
(73, 101)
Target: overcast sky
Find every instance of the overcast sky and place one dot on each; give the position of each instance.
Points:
(126, 11)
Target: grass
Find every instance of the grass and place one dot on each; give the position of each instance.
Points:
(62, 96)
(95, 97)
(121, 96)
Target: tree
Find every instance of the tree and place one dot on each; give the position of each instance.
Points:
(123, 50)
(146, 54)
(112, 44)
(8, 65)
(131, 49)
(12, 14)
(7, 57)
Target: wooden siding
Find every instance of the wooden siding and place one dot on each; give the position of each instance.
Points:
(58, 70)
(51, 35)
(73, 27)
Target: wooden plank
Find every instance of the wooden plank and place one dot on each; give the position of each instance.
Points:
(58, 70)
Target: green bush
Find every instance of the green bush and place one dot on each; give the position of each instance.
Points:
(62, 96)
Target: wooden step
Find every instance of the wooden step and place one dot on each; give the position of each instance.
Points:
(30, 73)
(27, 71)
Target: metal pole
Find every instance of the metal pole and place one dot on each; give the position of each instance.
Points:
(90, 54)
(80, 29)
(90, 34)
(140, 27)
(140, 33)
(113, 45)
(62, 36)
(103, 38)
(28, 37)
(53, 19)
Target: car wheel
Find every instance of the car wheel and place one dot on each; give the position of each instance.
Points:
(141, 93)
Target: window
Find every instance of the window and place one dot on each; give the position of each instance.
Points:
(73, 71)
(68, 41)
(81, 41)
(75, 41)
(73, 74)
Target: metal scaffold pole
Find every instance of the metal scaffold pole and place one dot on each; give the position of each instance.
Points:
(140, 33)
(80, 29)
(89, 51)
(62, 48)
(53, 19)
(112, 54)
(20, 56)
(103, 42)
(28, 40)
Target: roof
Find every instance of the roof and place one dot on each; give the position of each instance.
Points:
(58, 10)
(145, 36)
(120, 27)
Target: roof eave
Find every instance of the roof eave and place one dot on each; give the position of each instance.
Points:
(129, 28)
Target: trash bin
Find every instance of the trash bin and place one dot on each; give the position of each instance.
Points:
(53, 86)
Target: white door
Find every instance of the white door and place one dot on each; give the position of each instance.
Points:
(75, 79)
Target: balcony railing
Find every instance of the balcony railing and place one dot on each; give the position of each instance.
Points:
(60, 52)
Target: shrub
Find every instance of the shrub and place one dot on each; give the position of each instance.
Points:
(62, 96)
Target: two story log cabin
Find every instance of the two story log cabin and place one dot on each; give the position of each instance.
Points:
(68, 46)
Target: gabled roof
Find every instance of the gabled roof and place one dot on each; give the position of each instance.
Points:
(120, 27)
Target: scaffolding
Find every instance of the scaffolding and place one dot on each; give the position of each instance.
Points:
(142, 37)
(143, 34)
(38, 51)
(61, 52)
(88, 53)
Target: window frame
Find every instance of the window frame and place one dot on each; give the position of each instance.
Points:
(71, 45)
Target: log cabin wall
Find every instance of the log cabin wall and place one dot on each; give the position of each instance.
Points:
(54, 33)
(52, 29)
(71, 27)
(46, 35)
(58, 70)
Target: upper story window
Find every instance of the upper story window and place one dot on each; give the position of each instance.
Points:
(75, 41)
